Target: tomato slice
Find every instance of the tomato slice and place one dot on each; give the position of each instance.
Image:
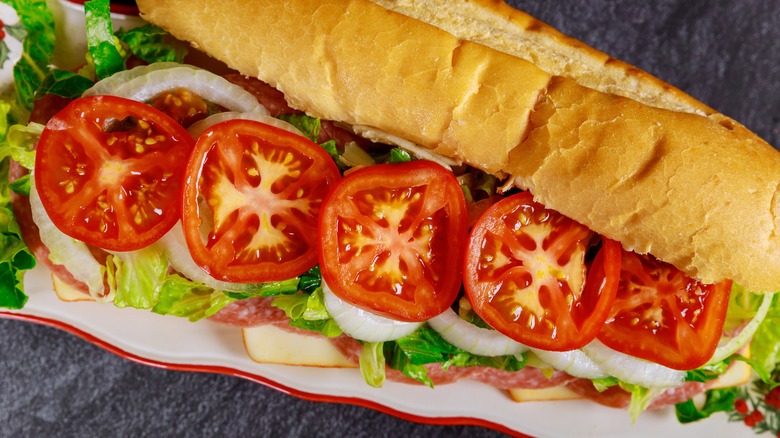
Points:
(251, 199)
(664, 316)
(181, 105)
(108, 171)
(526, 275)
(392, 239)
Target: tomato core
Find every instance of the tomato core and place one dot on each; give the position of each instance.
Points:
(252, 197)
(392, 236)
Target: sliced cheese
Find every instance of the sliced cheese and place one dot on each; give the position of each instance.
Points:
(270, 344)
(548, 394)
(66, 292)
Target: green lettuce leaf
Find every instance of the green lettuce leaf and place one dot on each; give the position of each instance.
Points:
(307, 311)
(15, 259)
(19, 142)
(411, 353)
(309, 126)
(271, 289)
(707, 372)
(183, 298)
(398, 155)
(37, 52)
(105, 51)
(765, 345)
(15, 256)
(65, 84)
(717, 400)
(139, 276)
(640, 397)
(149, 43)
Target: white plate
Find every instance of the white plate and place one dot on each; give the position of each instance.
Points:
(176, 343)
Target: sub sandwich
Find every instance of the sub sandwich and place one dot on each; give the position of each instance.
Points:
(445, 191)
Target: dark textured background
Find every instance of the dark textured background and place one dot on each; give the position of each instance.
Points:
(52, 383)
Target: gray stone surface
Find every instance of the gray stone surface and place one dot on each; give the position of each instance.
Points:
(55, 384)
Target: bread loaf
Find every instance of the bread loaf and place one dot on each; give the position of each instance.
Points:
(668, 175)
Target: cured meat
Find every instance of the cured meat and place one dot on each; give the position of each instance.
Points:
(527, 378)
(251, 313)
(268, 96)
(615, 397)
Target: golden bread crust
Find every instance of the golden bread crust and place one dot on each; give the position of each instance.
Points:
(700, 192)
(504, 28)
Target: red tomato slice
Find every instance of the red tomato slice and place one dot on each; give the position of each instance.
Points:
(664, 316)
(255, 191)
(108, 171)
(526, 276)
(181, 105)
(392, 239)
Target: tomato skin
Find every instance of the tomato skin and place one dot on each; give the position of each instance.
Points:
(525, 275)
(392, 238)
(264, 188)
(663, 316)
(109, 171)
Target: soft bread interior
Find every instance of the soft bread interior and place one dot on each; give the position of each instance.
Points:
(358, 63)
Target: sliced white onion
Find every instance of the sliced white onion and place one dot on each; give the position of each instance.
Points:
(734, 344)
(475, 340)
(362, 324)
(631, 369)
(145, 82)
(118, 79)
(197, 128)
(175, 247)
(67, 251)
(572, 362)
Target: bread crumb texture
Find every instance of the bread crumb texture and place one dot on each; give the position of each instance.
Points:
(510, 95)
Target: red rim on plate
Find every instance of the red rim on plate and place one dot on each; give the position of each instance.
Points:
(441, 421)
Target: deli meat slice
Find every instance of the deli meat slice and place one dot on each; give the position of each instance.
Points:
(251, 312)
(526, 378)
(273, 100)
(615, 397)
(258, 311)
